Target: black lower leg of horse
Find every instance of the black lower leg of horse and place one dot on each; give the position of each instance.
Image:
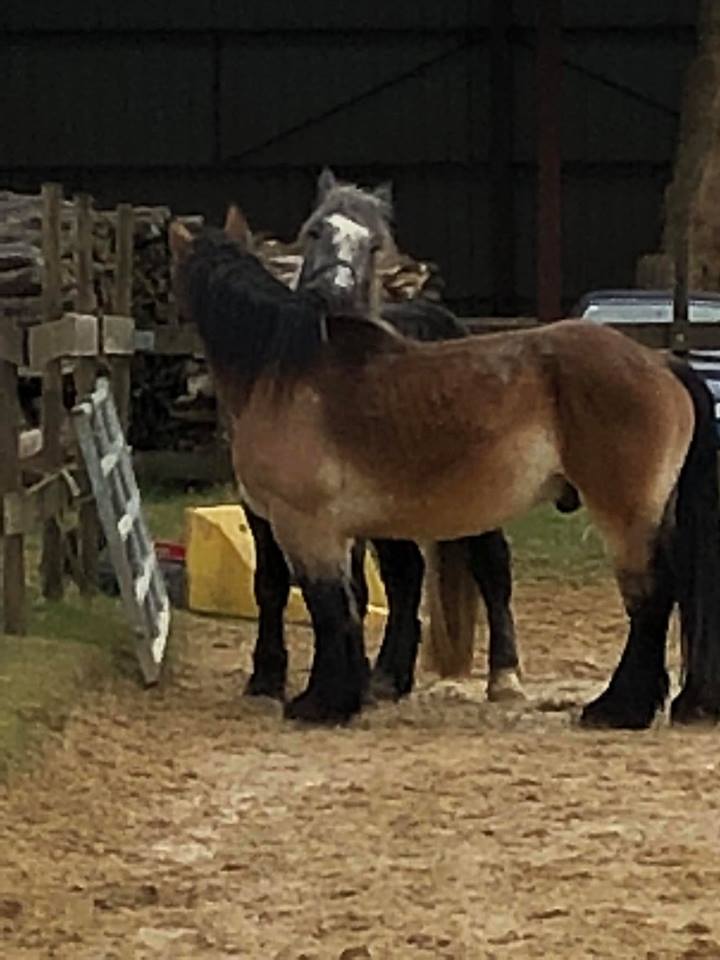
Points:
(339, 674)
(272, 588)
(401, 568)
(639, 686)
(490, 564)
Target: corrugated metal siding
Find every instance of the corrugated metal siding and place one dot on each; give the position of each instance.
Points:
(337, 102)
(82, 103)
(246, 100)
(243, 14)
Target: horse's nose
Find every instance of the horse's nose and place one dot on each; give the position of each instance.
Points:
(344, 278)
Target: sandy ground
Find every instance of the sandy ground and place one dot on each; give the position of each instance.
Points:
(187, 822)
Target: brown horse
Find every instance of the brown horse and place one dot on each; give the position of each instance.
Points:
(342, 428)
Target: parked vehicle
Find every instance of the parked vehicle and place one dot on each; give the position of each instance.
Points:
(656, 306)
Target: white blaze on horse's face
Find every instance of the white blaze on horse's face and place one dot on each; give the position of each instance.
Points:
(348, 238)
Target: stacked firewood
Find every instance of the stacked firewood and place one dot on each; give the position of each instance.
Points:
(403, 278)
(21, 260)
(151, 294)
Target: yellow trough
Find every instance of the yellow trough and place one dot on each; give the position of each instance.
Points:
(220, 564)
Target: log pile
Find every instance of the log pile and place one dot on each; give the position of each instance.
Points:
(21, 260)
(403, 279)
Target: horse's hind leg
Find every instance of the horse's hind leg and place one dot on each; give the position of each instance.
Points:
(272, 588)
(401, 568)
(490, 564)
(639, 686)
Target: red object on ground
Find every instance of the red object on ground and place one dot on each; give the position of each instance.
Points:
(169, 551)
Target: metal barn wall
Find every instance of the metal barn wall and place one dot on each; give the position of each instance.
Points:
(194, 104)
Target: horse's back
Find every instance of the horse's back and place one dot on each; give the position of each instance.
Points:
(423, 319)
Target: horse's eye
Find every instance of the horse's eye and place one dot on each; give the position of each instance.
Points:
(313, 233)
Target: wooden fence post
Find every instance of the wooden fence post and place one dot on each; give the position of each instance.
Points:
(52, 398)
(85, 378)
(124, 251)
(13, 562)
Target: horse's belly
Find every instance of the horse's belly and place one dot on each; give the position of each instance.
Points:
(484, 491)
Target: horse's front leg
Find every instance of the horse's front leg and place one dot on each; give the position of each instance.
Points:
(272, 588)
(339, 675)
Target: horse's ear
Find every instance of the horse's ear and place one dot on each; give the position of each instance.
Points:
(179, 239)
(384, 193)
(237, 228)
(327, 181)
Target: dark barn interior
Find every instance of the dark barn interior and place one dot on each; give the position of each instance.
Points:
(193, 104)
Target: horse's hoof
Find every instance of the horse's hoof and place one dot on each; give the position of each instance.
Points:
(504, 686)
(687, 708)
(608, 712)
(265, 686)
(309, 707)
(383, 686)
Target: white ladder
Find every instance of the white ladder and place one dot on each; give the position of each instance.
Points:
(109, 466)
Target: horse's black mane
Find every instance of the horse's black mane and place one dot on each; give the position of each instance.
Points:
(250, 323)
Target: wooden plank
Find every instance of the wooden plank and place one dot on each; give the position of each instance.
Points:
(73, 335)
(25, 511)
(122, 299)
(12, 343)
(51, 249)
(85, 301)
(13, 568)
(118, 335)
(122, 306)
(85, 376)
(182, 340)
(51, 565)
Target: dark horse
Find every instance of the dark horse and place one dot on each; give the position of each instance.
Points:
(319, 390)
(401, 566)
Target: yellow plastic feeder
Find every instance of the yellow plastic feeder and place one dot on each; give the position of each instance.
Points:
(220, 566)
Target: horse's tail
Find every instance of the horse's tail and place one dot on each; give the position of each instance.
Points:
(696, 557)
(452, 598)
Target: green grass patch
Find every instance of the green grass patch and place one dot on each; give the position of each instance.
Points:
(40, 682)
(164, 507)
(548, 545)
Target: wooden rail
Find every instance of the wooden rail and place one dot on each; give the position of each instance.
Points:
(49, 492)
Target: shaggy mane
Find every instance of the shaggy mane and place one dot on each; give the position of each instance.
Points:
(251, 324)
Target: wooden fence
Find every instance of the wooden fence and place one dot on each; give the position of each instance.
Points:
(45, 491)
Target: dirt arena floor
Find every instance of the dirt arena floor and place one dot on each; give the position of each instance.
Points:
(189, 823)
